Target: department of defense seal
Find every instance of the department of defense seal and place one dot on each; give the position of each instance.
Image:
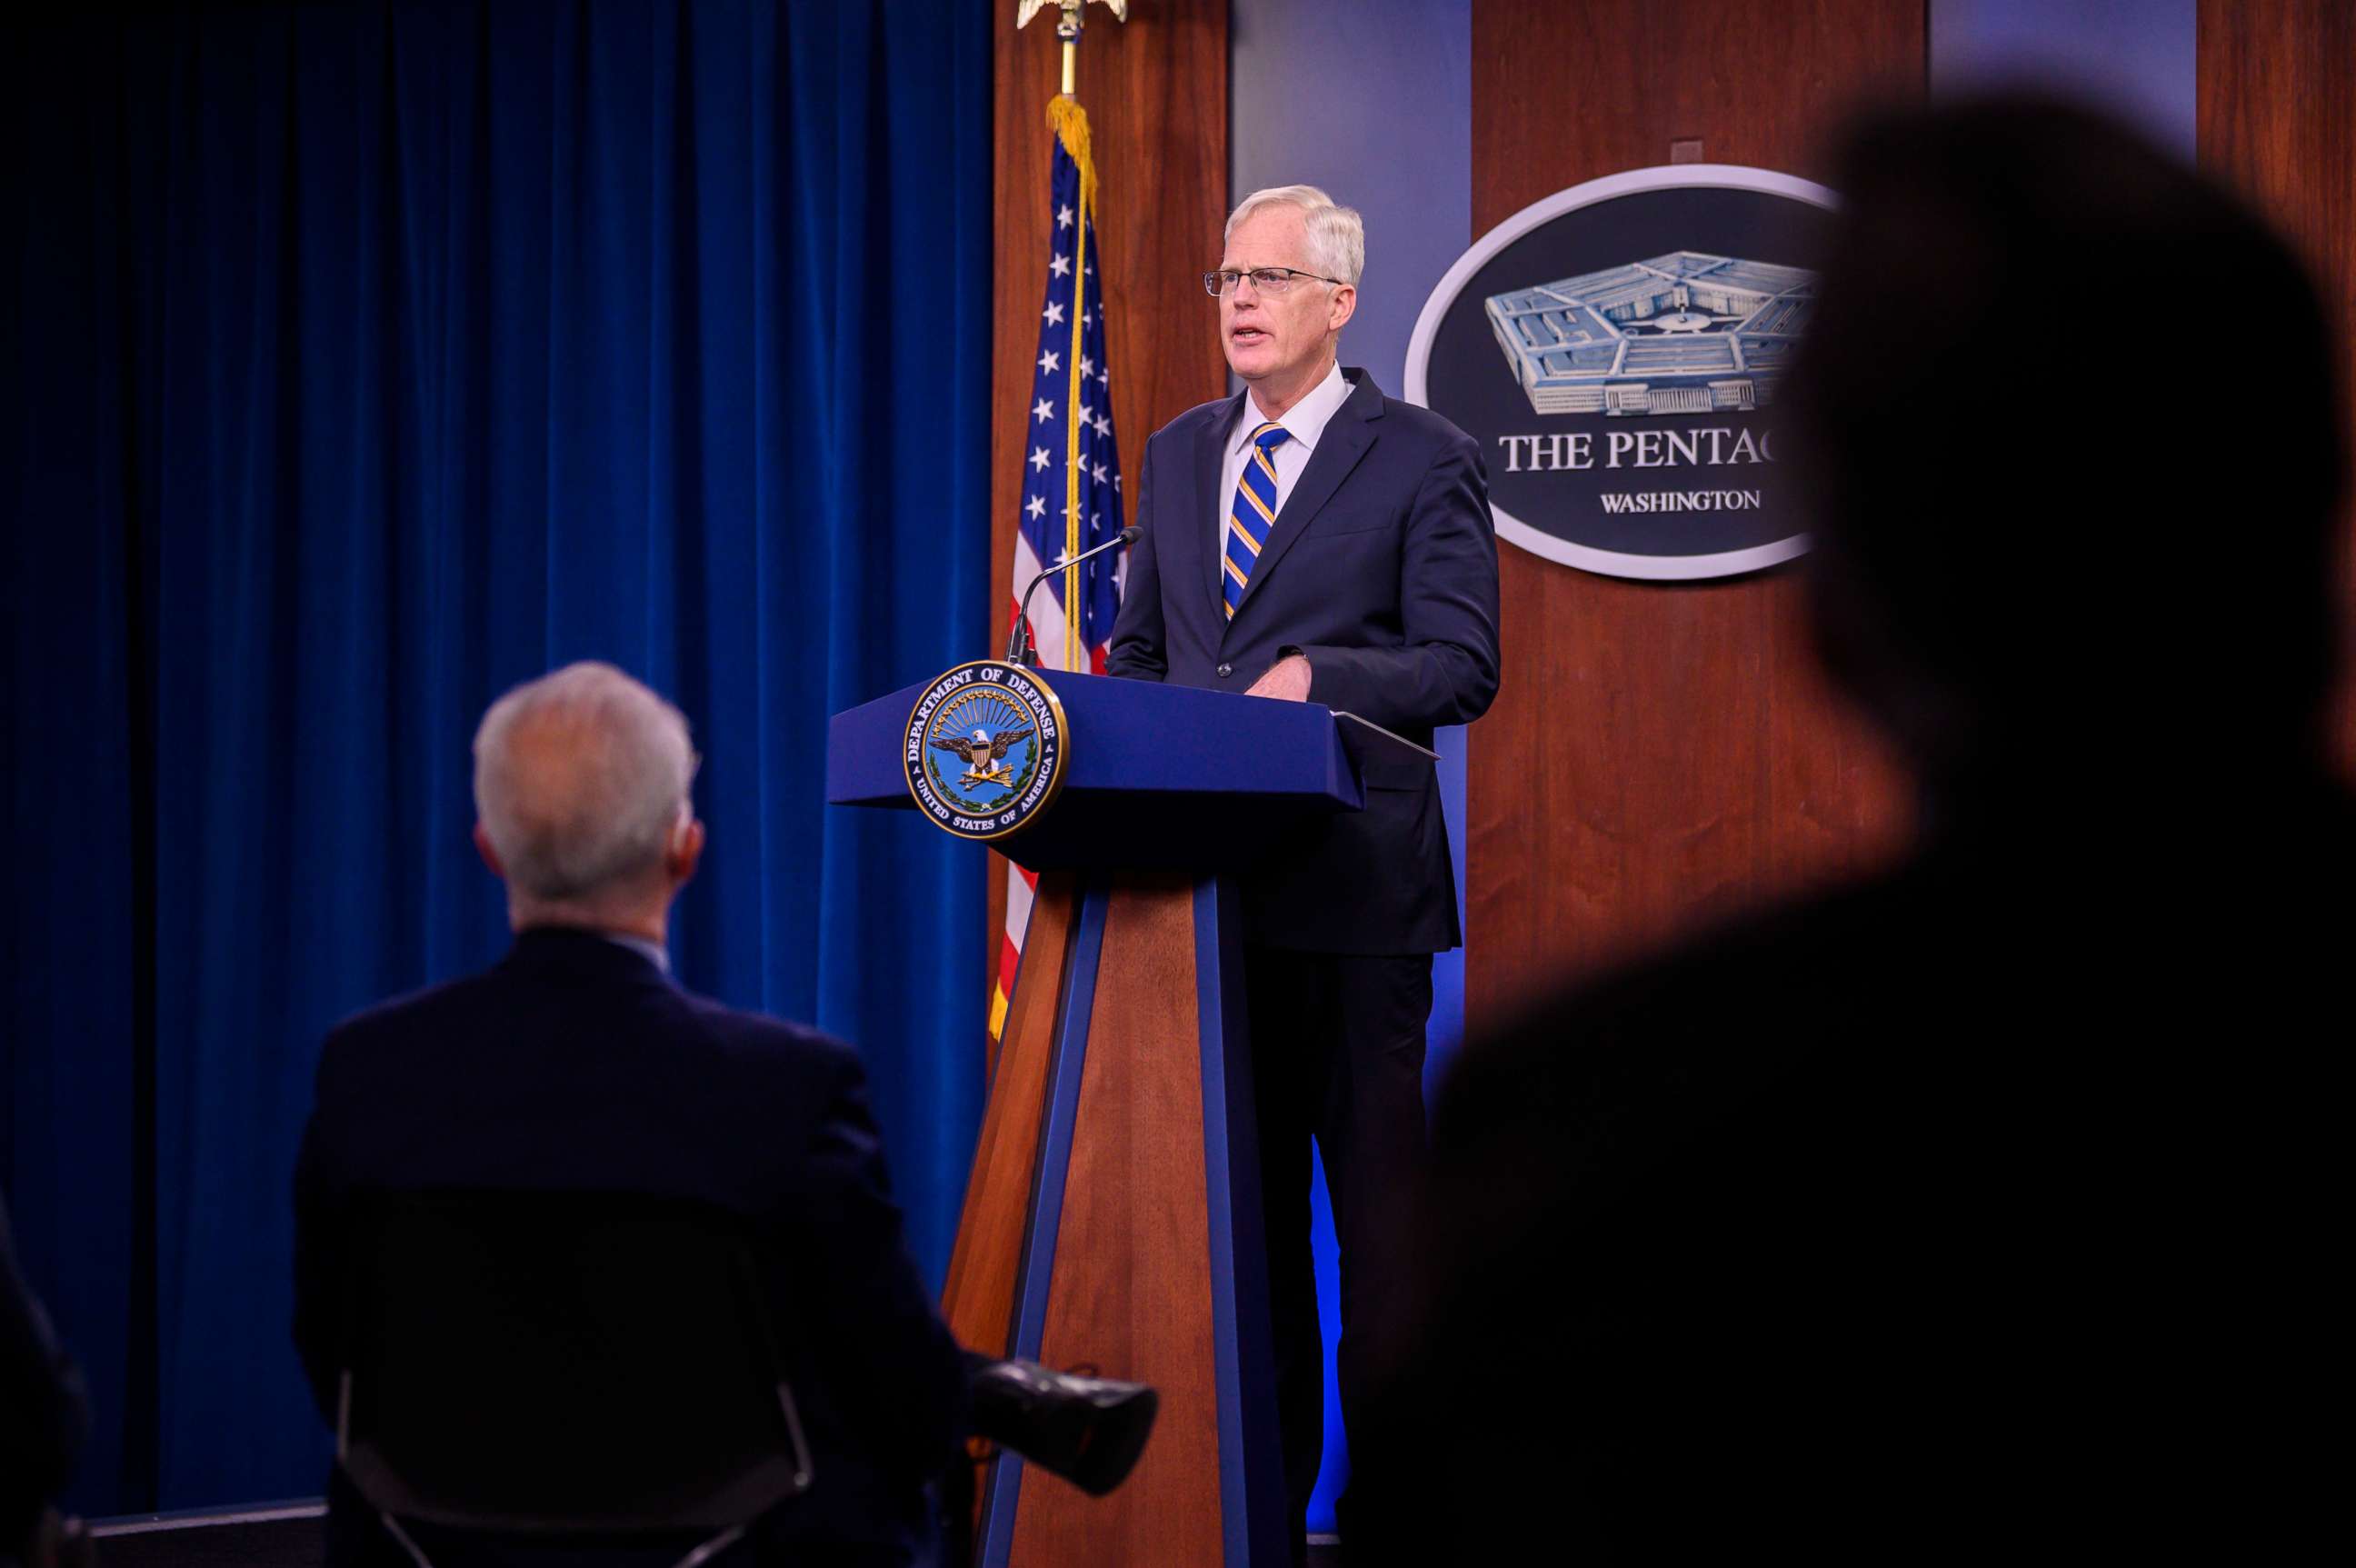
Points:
(985, 750)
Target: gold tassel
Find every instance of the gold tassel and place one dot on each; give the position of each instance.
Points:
(1070, 123)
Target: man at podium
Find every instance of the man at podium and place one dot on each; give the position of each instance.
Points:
(1311, 539)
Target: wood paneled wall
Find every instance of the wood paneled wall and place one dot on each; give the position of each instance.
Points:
(1156, 88)
(2277, 118)
(1659, 754)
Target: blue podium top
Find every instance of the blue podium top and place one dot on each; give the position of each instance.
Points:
(1156, 776)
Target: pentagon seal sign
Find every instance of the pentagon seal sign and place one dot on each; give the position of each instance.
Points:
(1616, 349)
(985, 750)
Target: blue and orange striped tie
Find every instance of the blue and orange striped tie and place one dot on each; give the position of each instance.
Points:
(1252, 512)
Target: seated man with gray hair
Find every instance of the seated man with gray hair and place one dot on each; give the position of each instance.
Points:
(576, 1064)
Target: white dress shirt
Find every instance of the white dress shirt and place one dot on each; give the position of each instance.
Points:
(1305, 422)
(651, 952)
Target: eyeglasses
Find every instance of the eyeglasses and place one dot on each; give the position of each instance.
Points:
(1265, 280)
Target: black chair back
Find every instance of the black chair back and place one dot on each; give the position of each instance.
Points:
(558, 1361)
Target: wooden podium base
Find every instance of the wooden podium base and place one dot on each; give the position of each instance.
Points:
(1112, 1221)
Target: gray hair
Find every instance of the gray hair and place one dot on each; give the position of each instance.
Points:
(1337, 235)
(580, 779)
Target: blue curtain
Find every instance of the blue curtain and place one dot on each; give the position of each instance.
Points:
(368, 359)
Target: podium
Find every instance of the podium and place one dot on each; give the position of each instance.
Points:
(1113, 1213)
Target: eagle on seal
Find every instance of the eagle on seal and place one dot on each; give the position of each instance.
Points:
(983, 754)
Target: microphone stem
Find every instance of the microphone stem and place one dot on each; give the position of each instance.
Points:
(1022, 648)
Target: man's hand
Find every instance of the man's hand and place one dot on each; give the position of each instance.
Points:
(1287, 679)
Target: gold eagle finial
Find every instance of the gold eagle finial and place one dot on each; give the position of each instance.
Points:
(1026, 9)
(1067, 28)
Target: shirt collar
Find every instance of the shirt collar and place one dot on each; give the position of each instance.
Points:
(651, 952)
(1305, 421)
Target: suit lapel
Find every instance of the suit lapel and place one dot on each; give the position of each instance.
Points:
(1347, 435)
(1210, 449)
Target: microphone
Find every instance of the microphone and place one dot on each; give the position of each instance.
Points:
(1020, 649)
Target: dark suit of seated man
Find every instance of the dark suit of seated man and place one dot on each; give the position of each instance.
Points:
(577, 1064)
(44, 1413)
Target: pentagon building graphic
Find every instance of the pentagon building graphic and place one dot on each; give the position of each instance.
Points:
(1684, 332)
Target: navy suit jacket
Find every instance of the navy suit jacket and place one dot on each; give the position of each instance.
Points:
(1382, 567)
(576, 1064)
(43, 1413)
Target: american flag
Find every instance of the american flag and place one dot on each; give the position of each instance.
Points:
(1071, 469)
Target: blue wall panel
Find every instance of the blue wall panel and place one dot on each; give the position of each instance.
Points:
(2133, 58)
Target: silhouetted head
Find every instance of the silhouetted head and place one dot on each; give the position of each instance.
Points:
(2069, 418)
